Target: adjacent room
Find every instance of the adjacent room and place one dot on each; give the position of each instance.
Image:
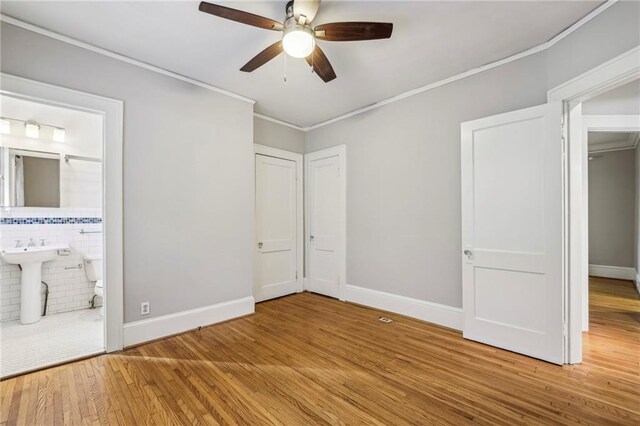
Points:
(51, 282)
(319, 212)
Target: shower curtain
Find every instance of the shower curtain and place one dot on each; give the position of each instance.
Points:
(19, 181)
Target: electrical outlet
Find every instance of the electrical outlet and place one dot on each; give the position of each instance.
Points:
(385, 319)
(144, 308)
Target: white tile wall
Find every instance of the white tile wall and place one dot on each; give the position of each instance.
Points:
(69, 289)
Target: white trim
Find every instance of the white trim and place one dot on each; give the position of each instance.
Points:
(616, 272)
(167, 325)
(299, 160)
(341, 152)
(446, 316)
(280, 122)
(614, 73)
(111, 111)
(611, 123)
(119, 57)
(609, 75)
(536, 49)
(637, 283)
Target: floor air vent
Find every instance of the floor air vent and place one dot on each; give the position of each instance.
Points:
(385, 319)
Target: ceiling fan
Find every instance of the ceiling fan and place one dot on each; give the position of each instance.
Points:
(299, 38)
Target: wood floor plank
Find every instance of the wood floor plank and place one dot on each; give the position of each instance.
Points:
(308, 359)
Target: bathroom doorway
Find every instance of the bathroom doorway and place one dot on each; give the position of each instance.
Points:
(51, 283)
(56, 198)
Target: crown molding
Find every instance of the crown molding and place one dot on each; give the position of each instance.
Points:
(280, 122)
(536, 49)
(119, 57)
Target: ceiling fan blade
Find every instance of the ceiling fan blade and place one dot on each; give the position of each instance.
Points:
(308, 8)
(263, 57)
(321, 65)
(353, 31)
(240, 16)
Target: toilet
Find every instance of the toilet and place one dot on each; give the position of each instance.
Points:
(93, 269)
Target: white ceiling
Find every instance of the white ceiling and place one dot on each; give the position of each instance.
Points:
(430, 41)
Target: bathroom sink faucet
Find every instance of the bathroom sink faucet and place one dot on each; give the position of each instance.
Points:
(18, 242)
(32, 243)
(43, 242)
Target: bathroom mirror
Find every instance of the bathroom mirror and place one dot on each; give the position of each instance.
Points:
(29, 178)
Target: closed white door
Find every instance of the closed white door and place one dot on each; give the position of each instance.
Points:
(512, 231)
(326, 221)
(276, 236)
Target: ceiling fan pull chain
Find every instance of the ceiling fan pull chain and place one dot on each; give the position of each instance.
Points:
(285, 67)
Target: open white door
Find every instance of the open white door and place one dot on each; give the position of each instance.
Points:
(512, 231)
(276, 230)
(325, 180)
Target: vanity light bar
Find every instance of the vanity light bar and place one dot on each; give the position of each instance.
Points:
(32, 129)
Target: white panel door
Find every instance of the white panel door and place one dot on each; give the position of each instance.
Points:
(276, 212)
(325, 217)
(512, 231)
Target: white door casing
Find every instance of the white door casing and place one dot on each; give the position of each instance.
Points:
(278, 217)
(616, 72)
(326, 221)
(512, 231)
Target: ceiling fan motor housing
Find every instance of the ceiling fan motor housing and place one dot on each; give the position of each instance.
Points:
(298, 39)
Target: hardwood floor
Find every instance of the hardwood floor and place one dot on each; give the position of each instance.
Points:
(306, 359)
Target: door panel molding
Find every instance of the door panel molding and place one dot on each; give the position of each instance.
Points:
(298, 159)
(512, 231)
(340, 152)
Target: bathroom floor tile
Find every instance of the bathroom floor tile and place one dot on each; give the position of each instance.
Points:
(55, 338)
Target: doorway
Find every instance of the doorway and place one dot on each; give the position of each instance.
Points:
(92, 179)
(52, 282)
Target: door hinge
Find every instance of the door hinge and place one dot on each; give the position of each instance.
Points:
(565, 329)
(296, 275)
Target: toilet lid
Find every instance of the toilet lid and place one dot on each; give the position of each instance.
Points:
(99, 283)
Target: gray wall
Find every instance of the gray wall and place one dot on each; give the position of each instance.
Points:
(188, 221)
(403, 172)
(278, 136)
(612, 213)
(623, 100)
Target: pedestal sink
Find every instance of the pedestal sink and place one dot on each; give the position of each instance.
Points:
(30, 260)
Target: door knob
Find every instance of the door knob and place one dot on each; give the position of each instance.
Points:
(310, 237)
(468, 252)
(259, 245)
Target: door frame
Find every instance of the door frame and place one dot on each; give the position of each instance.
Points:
(298, 159)
(341, 152)
(111, 111)
(609, 75)
(597, 123)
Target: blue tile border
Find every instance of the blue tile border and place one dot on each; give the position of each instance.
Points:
(48, 220)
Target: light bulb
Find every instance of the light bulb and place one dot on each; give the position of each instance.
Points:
(32, 130)
(58, 134)
(5, 127)
(298, 42)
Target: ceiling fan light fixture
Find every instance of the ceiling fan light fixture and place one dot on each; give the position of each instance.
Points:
(298, 42)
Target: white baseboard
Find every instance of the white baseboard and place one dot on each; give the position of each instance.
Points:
(155, 328)
(638, 283)
(447, 316)
(616, 272)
